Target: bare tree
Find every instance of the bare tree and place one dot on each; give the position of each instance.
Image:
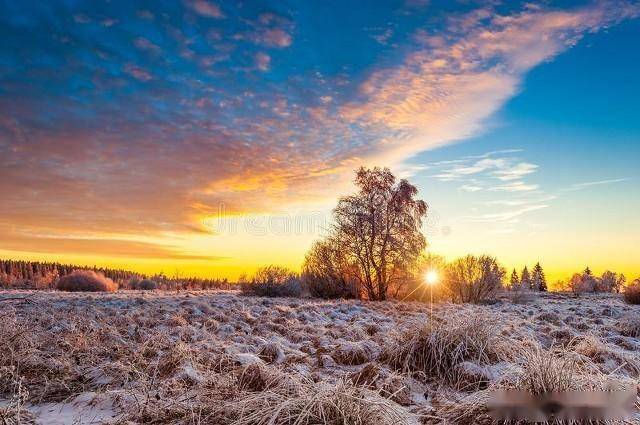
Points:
(474, 279)
(378, 231)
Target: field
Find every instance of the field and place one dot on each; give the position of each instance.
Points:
(224, 358)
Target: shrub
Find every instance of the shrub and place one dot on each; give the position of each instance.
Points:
(272, 281)
(474, 279)
(632, 293)
(86, 281)
(144, 285)
(329, 287)
(327, 272)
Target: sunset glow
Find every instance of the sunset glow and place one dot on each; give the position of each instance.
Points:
(208, 138)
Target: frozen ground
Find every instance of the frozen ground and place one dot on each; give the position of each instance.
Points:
(220, 357)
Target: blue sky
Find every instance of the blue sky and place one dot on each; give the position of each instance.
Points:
(126, 126)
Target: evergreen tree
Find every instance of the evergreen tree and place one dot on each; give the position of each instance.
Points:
(526, 278)
(587, 272)
(515, 279)
(538, 280)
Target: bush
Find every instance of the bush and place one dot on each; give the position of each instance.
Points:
(86, 281)
(632, 293)
(328, 287)
(327, 273)
(144, 285)
(272, 281)
(474, 279)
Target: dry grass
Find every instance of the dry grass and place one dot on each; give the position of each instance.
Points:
(221, 358)
(541, 371)
(86, 281)
(438, 349)
(14, 412)
(629, 325)
(304, 402)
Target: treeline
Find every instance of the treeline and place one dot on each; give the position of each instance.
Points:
(20, 274)
(43, 275)
(586, 282)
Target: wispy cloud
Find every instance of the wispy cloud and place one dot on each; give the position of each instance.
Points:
(508, 215)
(490, 166)
(585, 185)
(517, 186)
(449, 88)
(491, 173)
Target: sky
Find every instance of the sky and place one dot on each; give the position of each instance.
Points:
(209, 138)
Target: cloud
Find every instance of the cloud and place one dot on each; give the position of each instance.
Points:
(262, 61)
(447, 90)
(276, 37)
(470, 188)
(383, 38)
(515, 172)
(508, 215)
(144, 44)
(517, 186)
(585, 185)
(96, 246)
(489, 165)
(137, 72)
(206, 9)
(269, 30)
(109, 155)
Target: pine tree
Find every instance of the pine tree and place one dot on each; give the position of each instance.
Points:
(587, 272)
(539, 281)
(526, 278)
(515, 280)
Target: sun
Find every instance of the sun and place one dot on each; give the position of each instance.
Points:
(431, 277)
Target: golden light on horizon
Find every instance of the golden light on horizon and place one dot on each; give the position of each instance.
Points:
(431, 277)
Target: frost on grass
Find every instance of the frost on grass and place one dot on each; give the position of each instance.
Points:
(158, 357)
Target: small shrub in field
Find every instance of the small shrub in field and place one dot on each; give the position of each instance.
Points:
(144, 285)
(327, 272)
(474, 279)
(328, 287)
(86, 281)
(632, 293)
(273, 281)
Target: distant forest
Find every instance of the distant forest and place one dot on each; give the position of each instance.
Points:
(19, 274)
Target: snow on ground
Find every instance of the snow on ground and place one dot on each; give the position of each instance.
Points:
(166, 357)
